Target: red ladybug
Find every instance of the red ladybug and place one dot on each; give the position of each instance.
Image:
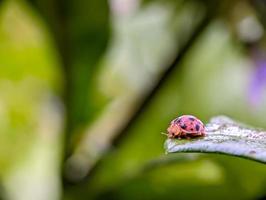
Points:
(186, 126)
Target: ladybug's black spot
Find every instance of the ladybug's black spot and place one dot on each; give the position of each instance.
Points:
(197, 127)
(183, 126)
(192, 119)
(191, 129)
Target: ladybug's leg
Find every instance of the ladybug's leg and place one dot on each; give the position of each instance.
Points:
(197, 134)
(187, 137)
(183, 135)
(180, 135)
(200, 134)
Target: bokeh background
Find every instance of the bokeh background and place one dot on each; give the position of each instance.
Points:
(86, 88)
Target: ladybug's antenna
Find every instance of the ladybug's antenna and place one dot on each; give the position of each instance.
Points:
(164, 133)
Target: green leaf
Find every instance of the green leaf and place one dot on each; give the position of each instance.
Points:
(225, 136)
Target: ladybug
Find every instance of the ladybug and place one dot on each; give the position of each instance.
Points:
(186, 126)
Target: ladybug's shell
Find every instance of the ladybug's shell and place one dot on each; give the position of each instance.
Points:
(189, 124)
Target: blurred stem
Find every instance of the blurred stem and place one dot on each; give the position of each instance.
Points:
(200, 28)
(55, 14)
(195, 35)
(80, 30)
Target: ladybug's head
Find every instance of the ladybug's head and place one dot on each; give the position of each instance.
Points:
(173, 130)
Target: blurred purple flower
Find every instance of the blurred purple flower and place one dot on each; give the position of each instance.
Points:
(258, 81)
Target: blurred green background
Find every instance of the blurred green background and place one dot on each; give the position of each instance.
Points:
(86, 88)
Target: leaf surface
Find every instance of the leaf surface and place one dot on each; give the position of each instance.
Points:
(225, 136)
